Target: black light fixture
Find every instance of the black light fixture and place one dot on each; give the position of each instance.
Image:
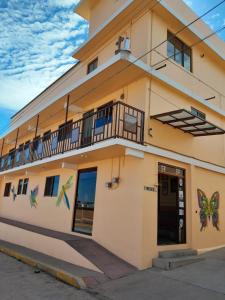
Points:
(161, 67)
(210, 98)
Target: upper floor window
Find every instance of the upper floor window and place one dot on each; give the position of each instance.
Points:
(65, 130)
(179, 51)
(7, 189)
(104, 116)
(46, 136)
(92, 65)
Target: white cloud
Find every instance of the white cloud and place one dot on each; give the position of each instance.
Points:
(63, 3)
(36, 42)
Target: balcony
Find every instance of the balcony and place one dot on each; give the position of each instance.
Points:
(117, 120)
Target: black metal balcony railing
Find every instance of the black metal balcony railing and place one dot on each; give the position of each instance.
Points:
(118, 120)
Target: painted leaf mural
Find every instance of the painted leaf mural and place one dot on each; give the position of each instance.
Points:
(13, 190)
(33, 197)
(208, 209)
(63, 193)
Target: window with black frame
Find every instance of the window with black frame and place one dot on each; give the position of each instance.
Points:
(19, 153)
(36, 143)
(104, 117)
(65, 131)
(179, 51)
(92, 65)
(7, 189)
(46, 136)
(11, 157)
(51, 186)
(22, 186)
(27, 150)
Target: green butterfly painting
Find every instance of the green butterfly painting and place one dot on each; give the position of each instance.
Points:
(63, 194)
(33, 197)
(208, 209)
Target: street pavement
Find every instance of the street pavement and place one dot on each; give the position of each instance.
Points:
(202, 280)
(20, 282)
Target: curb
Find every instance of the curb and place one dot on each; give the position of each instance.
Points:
(68, 278)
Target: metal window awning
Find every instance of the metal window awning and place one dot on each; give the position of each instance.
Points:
(188, 122)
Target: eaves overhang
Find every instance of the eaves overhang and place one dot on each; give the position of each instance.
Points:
(114, 74)
(83, 8)
(127, 11)
(111, 26)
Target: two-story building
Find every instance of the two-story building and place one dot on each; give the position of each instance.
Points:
(126, 149)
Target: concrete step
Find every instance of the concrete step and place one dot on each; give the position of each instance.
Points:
(177, 253)
(173, 263)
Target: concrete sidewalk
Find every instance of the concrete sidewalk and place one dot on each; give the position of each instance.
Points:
(203, 280)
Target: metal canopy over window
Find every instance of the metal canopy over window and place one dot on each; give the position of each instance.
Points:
(188, 122)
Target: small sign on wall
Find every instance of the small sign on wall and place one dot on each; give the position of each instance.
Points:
(150, 188)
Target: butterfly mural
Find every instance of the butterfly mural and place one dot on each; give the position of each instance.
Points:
(13, 190)
(63, 194)
(33, 197)
(208, 209)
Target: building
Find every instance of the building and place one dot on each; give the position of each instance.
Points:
(127, 148)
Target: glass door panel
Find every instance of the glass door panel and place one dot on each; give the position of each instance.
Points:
(85, 201)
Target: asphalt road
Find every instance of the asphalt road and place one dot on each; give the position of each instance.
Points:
(204, 280)
(19, 282)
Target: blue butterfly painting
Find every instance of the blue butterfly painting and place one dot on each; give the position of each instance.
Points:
(33, 197)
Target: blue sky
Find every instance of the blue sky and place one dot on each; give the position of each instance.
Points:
(37, 39)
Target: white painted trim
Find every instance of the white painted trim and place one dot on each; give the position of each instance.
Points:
(134, 153)
(30, 173)
(127, 144)
(66, 165)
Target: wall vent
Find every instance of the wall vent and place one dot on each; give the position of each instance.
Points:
(198, 113)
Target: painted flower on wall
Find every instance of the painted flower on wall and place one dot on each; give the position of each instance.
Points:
(63, 194)
(208, 209)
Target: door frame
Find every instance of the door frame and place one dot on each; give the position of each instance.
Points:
(76, 194)
(184, 199)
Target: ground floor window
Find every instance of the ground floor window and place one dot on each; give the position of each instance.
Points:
(51, 186)
(22, 186)
(171, 205)
(7, 189)
(85, 201)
